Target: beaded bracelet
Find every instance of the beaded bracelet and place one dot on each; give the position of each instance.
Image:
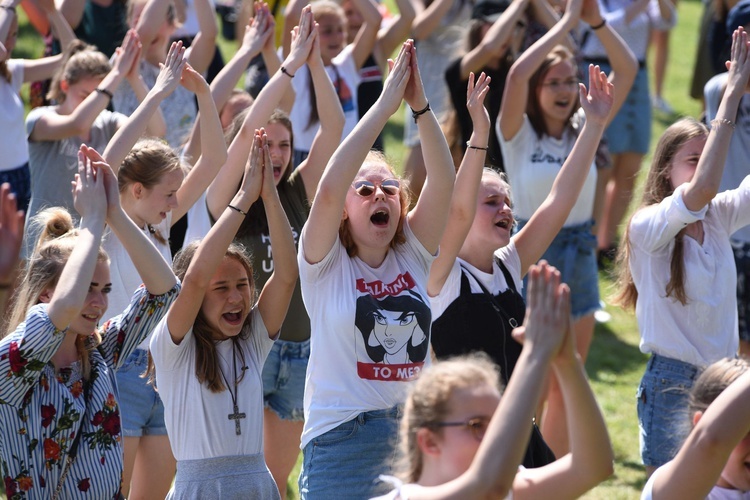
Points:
(417, 114)
(722, 121)
(244, 214)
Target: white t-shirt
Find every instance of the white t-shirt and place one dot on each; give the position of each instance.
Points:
(124, 276)
(196, 418)
(494, 282)
(736, 167)
(717, 493)
(705, 330)
(370, 331)
(199, 221)
(532, 165)
(344, 74)
(15, 150)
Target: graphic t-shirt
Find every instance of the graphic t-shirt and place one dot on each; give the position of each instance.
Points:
(370, 332)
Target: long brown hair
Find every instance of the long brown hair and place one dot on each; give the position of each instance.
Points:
(534, 111)
(207, 368)
(56, 241)
(658, 186)
(404, 195)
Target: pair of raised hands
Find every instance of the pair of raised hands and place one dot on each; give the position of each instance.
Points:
(258, 180)
(95, 189)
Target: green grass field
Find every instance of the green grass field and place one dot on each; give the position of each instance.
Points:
(615, 364)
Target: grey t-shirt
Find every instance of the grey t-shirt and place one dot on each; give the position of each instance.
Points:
(53, 165)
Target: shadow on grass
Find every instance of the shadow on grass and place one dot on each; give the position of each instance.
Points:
(610, 354)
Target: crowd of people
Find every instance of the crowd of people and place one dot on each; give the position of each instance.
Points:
(198, 282)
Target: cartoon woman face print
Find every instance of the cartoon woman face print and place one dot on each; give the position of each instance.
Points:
(393, 330)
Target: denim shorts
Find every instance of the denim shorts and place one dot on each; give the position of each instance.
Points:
(630, 130)
(20, 184)
(742, 261)
(662, 402)
(573, 253)
(284, 378)
(141, 409)
(346, 461)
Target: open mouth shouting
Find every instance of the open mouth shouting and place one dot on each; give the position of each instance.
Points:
(233, 318)
(380, 218)
(504, 223)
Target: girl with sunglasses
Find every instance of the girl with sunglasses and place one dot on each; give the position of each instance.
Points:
(364, 259)
(539, 122)
(462, 436)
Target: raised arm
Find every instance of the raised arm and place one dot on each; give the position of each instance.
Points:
(60, 27)
(210, 253)
(156, 126)
(213, 147)
(55, 127)
(532, 241)
(90, 201)
(699, 463)
(256, 34)
(150, 21)
(621, 58)
(321, 230)
(127, 135)
(156, 272)
(515, 95)
(204, 45)
(11, 233)
(427, 219)
(428, 17)
(705, 183)
(365, 40)
(464, 200)
(44, 68)
(331, 117)
(274, 299)
(492, 471)
(591, 456)
(394, 34)
(495, 40)
(223, 187)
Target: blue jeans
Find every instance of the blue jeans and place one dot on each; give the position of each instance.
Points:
(141, 408)
(284, 379)
(663, 418)
(742, 261)
(346, 461)
(573, 253)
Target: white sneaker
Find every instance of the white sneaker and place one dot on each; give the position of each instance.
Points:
(661, 105)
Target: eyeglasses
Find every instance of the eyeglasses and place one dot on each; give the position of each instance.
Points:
(477, 426)
(366, 188)
(556, 85)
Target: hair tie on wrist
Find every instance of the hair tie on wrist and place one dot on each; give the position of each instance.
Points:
(244, 214)
(468, 145)
(598, 26)
(105, 92)
(417, 114)
(286, 72)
